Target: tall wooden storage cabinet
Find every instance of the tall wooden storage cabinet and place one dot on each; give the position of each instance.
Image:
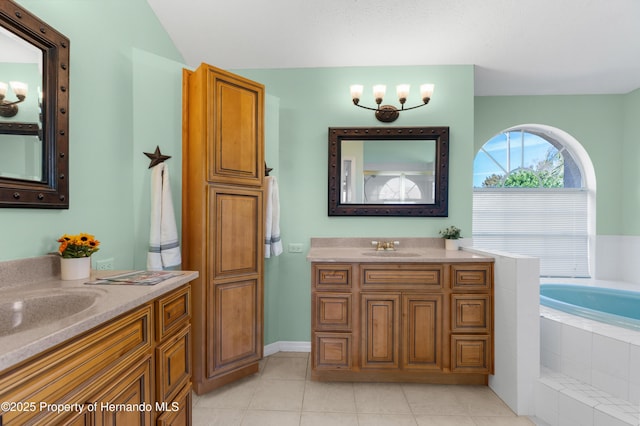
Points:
(222, 222)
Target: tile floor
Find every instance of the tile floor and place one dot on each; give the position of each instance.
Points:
(282, 394)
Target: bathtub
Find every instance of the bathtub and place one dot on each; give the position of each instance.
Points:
(589, 353)
(608, 305)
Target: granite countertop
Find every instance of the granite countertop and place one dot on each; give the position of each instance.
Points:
(110, 301)
(410, 250)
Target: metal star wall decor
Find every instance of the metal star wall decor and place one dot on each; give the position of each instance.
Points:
(156, 157)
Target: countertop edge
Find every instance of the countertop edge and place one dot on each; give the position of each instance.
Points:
(86, 321)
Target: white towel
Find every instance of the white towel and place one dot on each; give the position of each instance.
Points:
(164, 249)
(272, 242)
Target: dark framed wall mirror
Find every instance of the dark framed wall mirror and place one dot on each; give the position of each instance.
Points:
(388, 171)
(34, 105)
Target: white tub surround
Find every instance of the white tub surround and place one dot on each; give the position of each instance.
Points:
(590, 371)
(517, 342)
(42, 274)
(617, 258)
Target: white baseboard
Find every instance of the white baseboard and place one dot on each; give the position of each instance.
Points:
(276, 347)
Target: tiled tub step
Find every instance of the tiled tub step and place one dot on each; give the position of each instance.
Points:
(563, 400)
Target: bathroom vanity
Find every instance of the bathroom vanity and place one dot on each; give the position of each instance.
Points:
(78, 354)
(415, 313)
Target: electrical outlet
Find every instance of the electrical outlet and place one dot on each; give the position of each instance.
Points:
(295, 247)
(104, 264)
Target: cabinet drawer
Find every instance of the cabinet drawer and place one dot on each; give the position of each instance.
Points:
(333, 311)
(471, 277)
(332, 277)
(471, 354)
(173, 364)
(402, 276)
(332, 350)
(173, 311)
(470, 313)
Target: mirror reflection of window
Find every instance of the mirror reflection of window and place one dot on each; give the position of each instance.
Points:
(347, 181)
(399, 188)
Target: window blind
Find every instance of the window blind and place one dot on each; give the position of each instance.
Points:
(550, 224)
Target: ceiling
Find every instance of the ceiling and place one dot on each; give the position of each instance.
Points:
(519, 47)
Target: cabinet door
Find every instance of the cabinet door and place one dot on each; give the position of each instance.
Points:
(235, 230)
(132, 390)
(235, 323)
(422, 331)
(380, 330)
(173, 364)
(179, 411)
(235, 153)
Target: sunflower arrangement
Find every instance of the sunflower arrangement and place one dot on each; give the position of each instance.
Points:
(74, 246)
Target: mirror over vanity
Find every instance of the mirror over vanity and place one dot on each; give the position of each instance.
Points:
(34, 119)
(388, 171)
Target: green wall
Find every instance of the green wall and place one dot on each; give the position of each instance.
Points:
(630, 183)
(118, 48)
(596, 121)
(311, 101)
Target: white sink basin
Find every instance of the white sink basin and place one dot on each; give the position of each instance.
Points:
(30, 309)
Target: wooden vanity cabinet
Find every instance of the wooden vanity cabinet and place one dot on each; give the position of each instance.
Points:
(141, 358)
(173, 364)
(222, 222)
(415, 322)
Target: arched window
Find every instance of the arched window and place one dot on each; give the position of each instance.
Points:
(534, 192)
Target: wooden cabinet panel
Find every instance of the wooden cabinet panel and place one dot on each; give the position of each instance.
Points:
(332, 350)
(380, 330)
(471, 353)
(334, 277)
(471, 313)
(333, 311)
(179, 413)
(236, 228)
(173, 311)
(111, 368)
(132, 388)
(54, 376)
(405, 276)
(236, 137)
(235, 324)
(469, 277)
(422, 331)
(173, 364)
(402, 322)
(223, 221)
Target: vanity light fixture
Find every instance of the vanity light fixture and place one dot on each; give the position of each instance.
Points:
(389, 113)
(9, 109)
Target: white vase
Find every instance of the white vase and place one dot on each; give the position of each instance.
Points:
(75, 268)
(451, 244)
